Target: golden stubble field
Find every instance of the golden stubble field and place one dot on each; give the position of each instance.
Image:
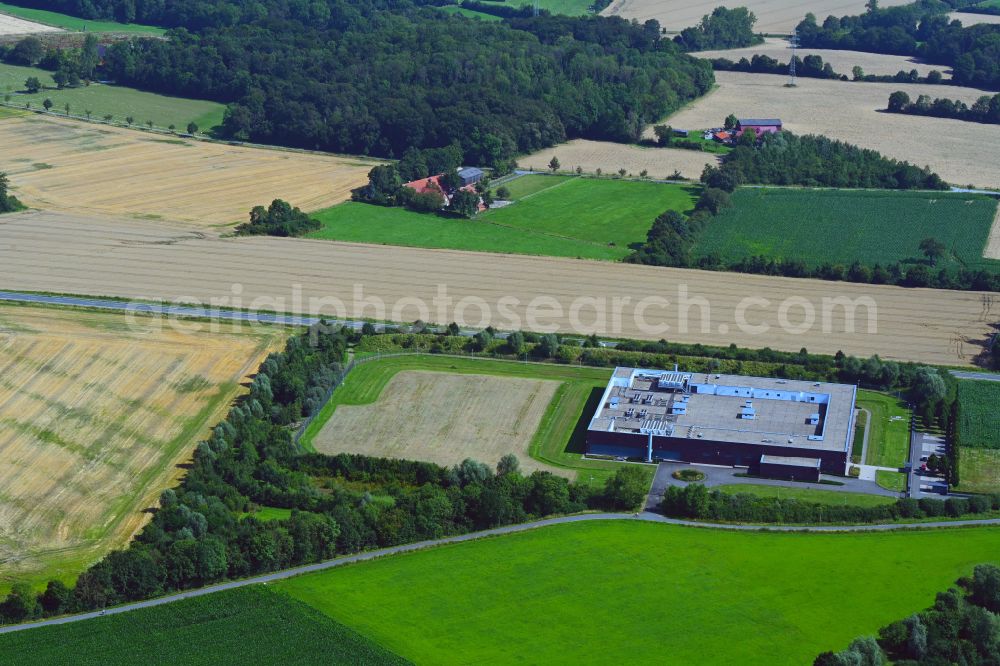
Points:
(843, 62)
(773, 16)
(610, 157)
(97, 410)
(960, 152)
(444, 418)
(74, 254)
(59, 164)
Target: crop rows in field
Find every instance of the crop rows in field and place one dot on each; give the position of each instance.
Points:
(978, 415)
(249, 625)
(843, 226)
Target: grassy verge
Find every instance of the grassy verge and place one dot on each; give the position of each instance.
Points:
(858, 448)
(807, 494)
(891, 480)
(75, 23)
(559, 440)
(590, 592)
(889, 438)
(250, 625)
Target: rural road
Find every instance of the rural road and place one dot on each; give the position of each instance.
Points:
(509, 529)
(982, 376)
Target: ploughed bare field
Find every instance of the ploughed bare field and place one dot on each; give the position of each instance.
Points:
(961, 152)
(609, 157)
(96, 411)
(843, 62)
(972, 19)
(12, 25)
(444, 419)
(75, 254)
(773, 16)
(60, 164)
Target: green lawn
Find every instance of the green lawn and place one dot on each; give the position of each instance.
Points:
(74, 23)
(589, 593)
(250, 625)
(843, 226)
(118, 101)
(266, 513)
(807, 494)
(559, 440)
(554, 216)
(858, 447)
(978, 470)
(889, 441)
(891, 480)
(978, 418)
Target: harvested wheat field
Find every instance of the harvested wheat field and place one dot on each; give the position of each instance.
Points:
(74, 254)
(843, 62)
(609, 157)
(11, 25)
(961, 152)
(773, 16)
(443, 418)
(972, 19)
(81, 167)
(96, 411)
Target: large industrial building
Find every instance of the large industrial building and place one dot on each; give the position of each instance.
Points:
(781, 427)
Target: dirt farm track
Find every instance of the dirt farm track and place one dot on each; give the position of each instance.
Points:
(106, 257)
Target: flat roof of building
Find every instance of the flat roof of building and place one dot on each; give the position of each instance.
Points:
(794, 461)
(727, 408)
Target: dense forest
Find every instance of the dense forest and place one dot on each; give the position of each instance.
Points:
(379, 77)
(962, 627)
(920, 29)
(206, 529)
(986, 109)
(8, 202)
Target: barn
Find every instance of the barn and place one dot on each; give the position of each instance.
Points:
(733, 420)
(760, 125)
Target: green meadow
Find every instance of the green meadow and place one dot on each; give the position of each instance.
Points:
(562, 216)
(889, 438)
(596, 592)
(75, 23)
(102, 99)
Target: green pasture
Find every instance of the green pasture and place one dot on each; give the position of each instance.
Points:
(118, 101)
(468, 13)
(562, 216)
(589, 593)
(559, 440)
(250, 625)
(889, 440)
(806, 494)
(75, 23)
(844, 226)
(978, 470)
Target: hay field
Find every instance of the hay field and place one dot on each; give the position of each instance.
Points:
(45, 251)
(961, 152)
(11, 25)
(610, 157)
(841, 61)
(773, 16)
(444, 418)
(60, 164)
(96, 413)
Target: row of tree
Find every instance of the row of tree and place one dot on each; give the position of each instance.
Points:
(986, 109)
(812, 66)
(205, 529)
(70, 66)
(696, 502)
(920, 29)
(962, 627)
